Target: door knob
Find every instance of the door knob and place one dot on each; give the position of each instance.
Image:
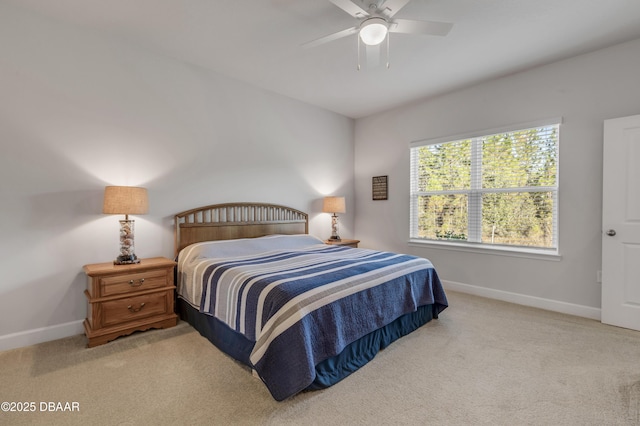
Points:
(611, 232)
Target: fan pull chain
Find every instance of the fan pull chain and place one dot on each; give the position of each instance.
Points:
(358, 41)
(388, 60)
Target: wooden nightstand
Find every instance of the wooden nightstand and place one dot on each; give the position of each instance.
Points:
(127, 298)
(343, 242)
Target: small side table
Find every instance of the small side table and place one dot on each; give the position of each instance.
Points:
(127, 298)
(343, 242)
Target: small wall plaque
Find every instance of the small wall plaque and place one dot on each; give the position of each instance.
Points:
(379, 187)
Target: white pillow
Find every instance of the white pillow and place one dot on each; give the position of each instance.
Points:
(247, 246)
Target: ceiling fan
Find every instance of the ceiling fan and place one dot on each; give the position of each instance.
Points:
(376, 21)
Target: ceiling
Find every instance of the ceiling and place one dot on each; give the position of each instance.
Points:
(259, 42)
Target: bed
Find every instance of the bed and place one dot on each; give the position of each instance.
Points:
(301, 314)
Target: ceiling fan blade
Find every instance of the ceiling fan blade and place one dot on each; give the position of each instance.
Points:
(409, 26)
(391, 7)
(330, 37)
(351, 8)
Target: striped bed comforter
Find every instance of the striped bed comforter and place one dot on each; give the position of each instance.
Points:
(303, 306)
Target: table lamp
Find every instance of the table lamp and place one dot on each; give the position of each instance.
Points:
(125, 200)
(334, 205)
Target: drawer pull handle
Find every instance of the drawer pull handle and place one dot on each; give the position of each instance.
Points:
(132, 309)
(133, 284)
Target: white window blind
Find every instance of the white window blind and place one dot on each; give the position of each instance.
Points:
(499, 188)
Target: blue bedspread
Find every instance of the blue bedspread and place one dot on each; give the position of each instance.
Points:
(304, 306)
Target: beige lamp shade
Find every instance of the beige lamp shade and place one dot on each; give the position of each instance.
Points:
(125, 200)
(334, 205)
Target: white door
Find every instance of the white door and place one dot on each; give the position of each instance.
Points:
(621, 223)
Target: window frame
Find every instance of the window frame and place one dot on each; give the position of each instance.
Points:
(473, 242)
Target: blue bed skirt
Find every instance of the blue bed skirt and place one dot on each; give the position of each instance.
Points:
(329, 371)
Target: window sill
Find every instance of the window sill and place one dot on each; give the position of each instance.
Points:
(529, 253)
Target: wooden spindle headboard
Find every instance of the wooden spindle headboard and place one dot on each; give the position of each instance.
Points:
(237, 220)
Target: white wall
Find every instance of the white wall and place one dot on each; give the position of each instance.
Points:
(79, 111)
(585, 90)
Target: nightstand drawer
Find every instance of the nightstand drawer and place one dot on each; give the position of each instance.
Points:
(126, 283)
(132, 308)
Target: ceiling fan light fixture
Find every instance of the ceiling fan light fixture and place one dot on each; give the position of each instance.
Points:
(373, 31)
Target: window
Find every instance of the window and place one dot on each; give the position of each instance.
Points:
(497, 189)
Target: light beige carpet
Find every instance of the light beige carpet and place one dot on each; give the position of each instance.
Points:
(482, 362)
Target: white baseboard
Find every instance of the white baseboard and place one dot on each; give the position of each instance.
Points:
(46, 334)
(40, 335)
(522, 299)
